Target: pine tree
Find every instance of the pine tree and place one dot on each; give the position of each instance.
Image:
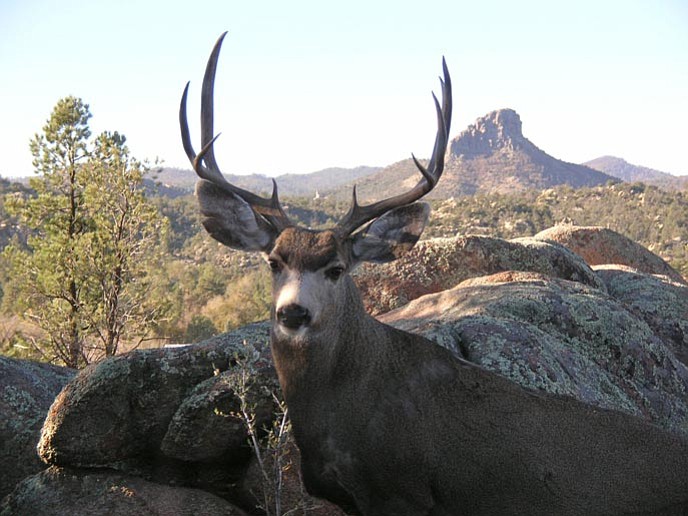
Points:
(85, 275)
(48, 280)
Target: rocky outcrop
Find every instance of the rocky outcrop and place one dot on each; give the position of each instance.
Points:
(168, 416)
(559, 336)
(164, 414)
(599, 246)
(490, 156)
(655, 299)
(69, 492)
(438, 264)
(501, 129)
(161, 423)
(493, 156)
(27, 390)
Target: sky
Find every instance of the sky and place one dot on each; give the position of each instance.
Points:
(306, 85)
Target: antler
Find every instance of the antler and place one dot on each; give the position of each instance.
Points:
(204, 162)
(358, 215)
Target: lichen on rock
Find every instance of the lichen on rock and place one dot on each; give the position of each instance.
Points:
(26, 391)
(560, 336)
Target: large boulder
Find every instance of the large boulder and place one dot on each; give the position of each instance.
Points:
(598, 246)
(161, 414)
(69, 492)
(656, 299)
(26, 391)
(205, 426)
(440, 263)
(559, 336)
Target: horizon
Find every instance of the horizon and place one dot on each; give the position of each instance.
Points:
(305, 87)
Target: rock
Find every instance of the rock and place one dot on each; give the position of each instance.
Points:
(26, 391)
(495, 131)
(529, 309)
(653, 298)
(493, 156)
(559, 336)
(69, 492)
(117, 414)
(438, 264)
(205, 427)
(599, 246)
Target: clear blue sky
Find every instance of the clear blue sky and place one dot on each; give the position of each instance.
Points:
(304, 85)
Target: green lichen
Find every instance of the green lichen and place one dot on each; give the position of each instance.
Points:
(18, 400)
(562, 337)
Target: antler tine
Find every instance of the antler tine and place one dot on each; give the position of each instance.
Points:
(358, 215)
(204, 162)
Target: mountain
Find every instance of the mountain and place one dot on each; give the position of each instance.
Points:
(626, 171)
(622, 169)
(171, 180)
(493, 156)
(490, 156)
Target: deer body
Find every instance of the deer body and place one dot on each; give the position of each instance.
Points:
(389, 423)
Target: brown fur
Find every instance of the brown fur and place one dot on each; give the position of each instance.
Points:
(389, 423)
(321, 248)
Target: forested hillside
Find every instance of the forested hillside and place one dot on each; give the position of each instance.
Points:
(8, 224)
(655, 218)
(210, 288)
(225, 287)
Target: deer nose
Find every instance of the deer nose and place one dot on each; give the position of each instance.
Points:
(293, 316)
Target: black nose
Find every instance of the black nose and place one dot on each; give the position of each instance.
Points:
(293, 316)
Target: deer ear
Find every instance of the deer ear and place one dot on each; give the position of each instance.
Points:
(231, 221)
(392, 235)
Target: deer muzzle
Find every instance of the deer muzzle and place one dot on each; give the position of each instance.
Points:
(293, 316)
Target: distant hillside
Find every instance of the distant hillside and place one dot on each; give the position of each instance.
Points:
(626, 171)
(390, 180)
(294, 185)
(9, 228)
(622, 169)
(654, 217)
(490, 156)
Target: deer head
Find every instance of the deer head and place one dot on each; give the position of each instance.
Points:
(309, 267)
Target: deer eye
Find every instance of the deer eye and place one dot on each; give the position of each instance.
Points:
(275, 266)
(334, 273)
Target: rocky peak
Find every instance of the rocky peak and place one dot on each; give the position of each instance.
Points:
(496, 130)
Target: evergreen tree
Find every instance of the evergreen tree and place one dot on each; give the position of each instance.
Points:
(49, 279)
(84, 277)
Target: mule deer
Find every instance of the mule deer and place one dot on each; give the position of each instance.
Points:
(389, 423)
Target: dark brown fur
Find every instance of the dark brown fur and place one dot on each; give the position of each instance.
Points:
(321, 247)
(389, 423)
